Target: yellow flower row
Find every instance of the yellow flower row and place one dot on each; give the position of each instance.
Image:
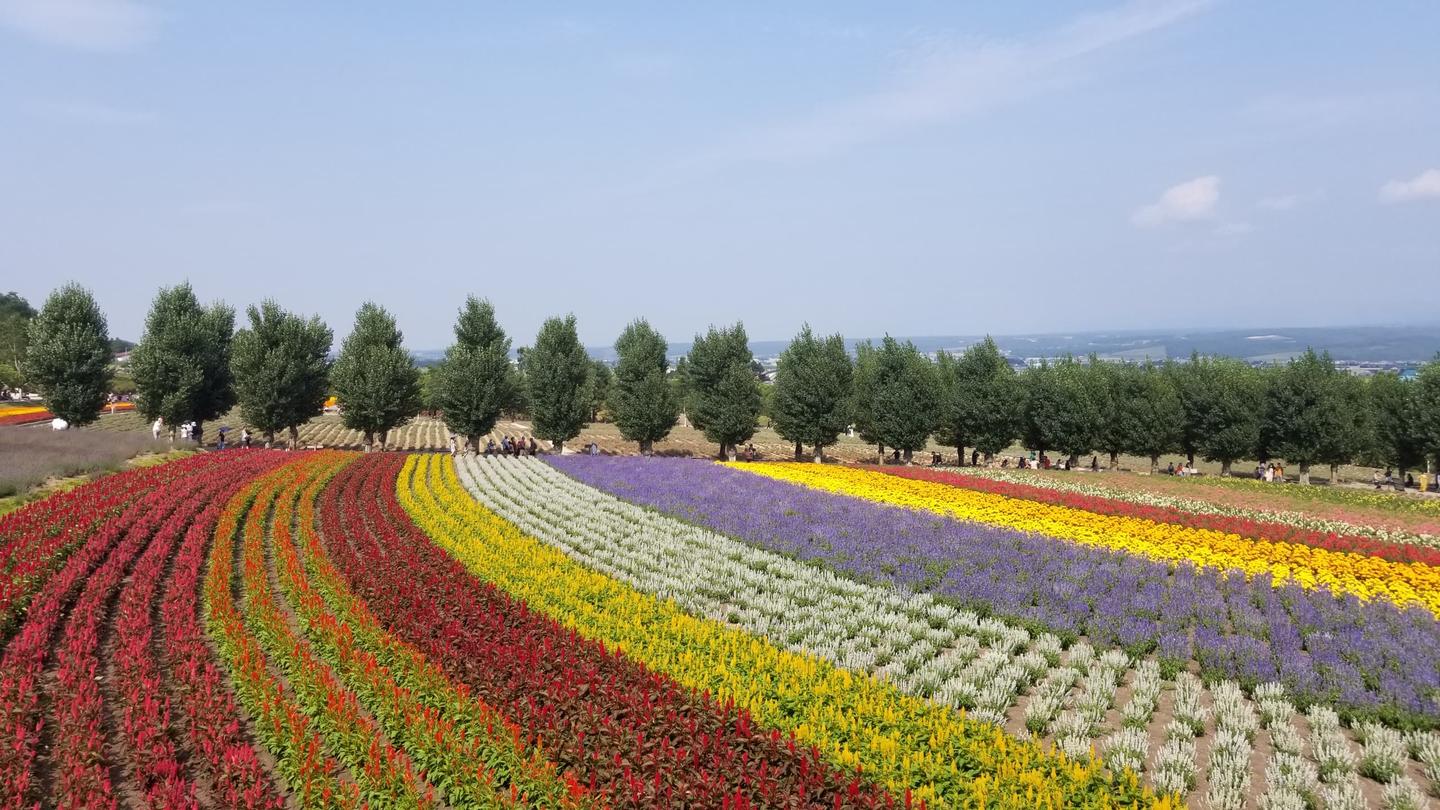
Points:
(856, 721)
(1365, 576)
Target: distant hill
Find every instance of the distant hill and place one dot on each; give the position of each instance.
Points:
(1382, 344)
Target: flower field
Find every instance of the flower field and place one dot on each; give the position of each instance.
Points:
(263, 629)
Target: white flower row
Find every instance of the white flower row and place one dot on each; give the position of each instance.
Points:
(926, 648)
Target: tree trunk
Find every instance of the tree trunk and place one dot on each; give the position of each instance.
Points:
(559, 445)
(269, 438)
(1074, 460)
(819, 454)
(474, 442)
(1335, 473)
(384, 439)
(880, 452)
(729, 452)
(1115, 461)
(1190, 457)
(906, 455)
(799, 451)
(1225, 468)
(1304, 473)
(369, 440)
(647, 447)
(294, 437)
(1154, 464)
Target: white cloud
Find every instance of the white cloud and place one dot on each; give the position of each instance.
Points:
(1233, 228)
(1186, 202)
(1282, 202)
(944, 82)
(1289, 202)
(92, 25)
(1423, 186)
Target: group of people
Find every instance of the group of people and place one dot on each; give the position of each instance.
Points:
(1270, 472)
(517, 446)
(1184, 470)
(195, 433)
(1393, 481)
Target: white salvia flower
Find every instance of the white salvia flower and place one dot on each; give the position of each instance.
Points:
(1383, 758)
(1403, 794)
(1344, 794)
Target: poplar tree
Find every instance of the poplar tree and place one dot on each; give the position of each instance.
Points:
(724, 397)
(68, 355)
(1398, 432)
(557, 373)
(1060, 409)
(643, 403)
(1151, 419)
(602, 384)
(181, 365)
(813, 392)
(375, 379)
(980, 400)
(906, 396)
(475, 382)
(281, 367)
(1304, 417)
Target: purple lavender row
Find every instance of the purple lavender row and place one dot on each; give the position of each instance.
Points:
(1368, 659)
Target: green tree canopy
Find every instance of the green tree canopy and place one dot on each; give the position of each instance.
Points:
(182, 363)
(643, 403)
(69, 355)
(557, 371)
(980, 400)
(1305, 420)
(475, 382)
(15, 316)
(1151, 416)
(1223, 402)
(1060, 409)
(1398, 425)
(374, 378)
(602, 385)
(724, 397)
(863, 400)
(812, 392)
(1110, 383)
(906, 396)
(1427, 407)
(282, 369)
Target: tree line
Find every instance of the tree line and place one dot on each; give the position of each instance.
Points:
(192, 365)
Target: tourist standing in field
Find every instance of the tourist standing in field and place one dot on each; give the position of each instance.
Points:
(156, 427)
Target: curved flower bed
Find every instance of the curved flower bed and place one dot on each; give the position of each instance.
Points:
(1370, 659)
(630, 735)
(1365, 577)
(1255, 505)
(1246, 526)
(905, 743)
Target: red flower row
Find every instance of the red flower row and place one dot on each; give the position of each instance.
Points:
(42, 535)
(1244, 527)
(89, 576)
(634, 737)
(33, 417)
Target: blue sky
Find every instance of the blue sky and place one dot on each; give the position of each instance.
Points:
(912, 168)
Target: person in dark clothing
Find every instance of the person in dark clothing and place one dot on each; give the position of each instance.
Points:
(534, 448)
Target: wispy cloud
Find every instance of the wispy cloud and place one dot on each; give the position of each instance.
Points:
(1423, 186)
(944, 83)
(92, 25)
(1288, 202)
(1184, 202)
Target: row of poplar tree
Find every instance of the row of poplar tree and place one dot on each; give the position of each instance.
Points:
(192, 365)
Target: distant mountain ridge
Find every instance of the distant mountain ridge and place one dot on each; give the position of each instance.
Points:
(1380, 344)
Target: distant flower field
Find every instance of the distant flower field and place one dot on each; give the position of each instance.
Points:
(256, 628)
